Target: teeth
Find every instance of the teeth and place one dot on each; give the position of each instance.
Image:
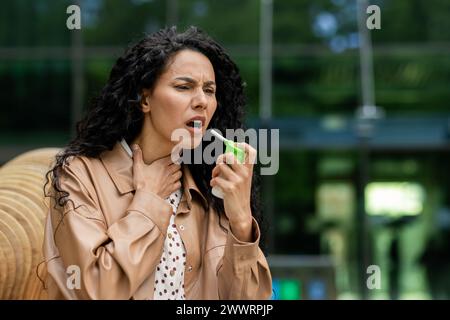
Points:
(197, 124)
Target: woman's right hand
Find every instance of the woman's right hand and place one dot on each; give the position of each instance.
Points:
(161, 177)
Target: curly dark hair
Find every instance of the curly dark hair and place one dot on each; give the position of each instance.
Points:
(116, 113)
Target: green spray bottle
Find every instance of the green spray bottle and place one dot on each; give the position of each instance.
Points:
(230, 146)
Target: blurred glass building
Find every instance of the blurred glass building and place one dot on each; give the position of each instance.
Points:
(364, 120)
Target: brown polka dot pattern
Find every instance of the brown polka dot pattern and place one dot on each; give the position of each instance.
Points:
(173, 260)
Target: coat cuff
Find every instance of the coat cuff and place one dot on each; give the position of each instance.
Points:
(153, 207)
(242, 254)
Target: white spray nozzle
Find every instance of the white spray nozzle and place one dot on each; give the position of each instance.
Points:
(197, 123)
(218, 135)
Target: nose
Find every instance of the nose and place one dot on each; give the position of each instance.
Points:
(200, 100)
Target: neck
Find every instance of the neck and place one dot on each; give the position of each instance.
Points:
(152, 144)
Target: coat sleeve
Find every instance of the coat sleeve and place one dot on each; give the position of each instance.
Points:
(113, 260)
(244, 273)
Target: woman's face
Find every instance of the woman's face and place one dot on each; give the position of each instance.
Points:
(185, 91)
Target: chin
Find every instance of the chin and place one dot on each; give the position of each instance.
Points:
(185, 139)
(184, 144)
(189, 142)
(194, 142)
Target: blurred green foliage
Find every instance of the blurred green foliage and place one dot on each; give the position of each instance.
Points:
(315, 64)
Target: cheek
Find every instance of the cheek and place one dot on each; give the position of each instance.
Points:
(212, 111)
(171, 113)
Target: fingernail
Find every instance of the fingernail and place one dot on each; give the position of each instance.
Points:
(135, 147)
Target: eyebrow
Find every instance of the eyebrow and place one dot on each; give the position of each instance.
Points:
(190, 80)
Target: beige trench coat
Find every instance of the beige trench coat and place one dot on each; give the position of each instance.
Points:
(112, 237)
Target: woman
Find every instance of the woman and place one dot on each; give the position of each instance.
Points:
(131, 224)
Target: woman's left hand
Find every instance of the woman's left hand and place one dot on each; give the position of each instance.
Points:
(235, 180)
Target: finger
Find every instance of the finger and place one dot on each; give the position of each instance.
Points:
(229, 159)
(250, 153)
(175, 186)
(220, 160)
(168, 160)
(176, 176)
(225, 185)
(215, 171)
(174, 168)
(165, 161)
(224, 171)
(170, 188)
(137, 155)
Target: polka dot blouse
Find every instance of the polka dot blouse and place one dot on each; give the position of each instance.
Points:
(169, 276)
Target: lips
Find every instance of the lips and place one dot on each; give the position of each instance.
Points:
(198, 120)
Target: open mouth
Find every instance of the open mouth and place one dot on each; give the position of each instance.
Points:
(196, 124)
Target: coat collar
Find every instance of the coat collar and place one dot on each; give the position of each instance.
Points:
(119, 165)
